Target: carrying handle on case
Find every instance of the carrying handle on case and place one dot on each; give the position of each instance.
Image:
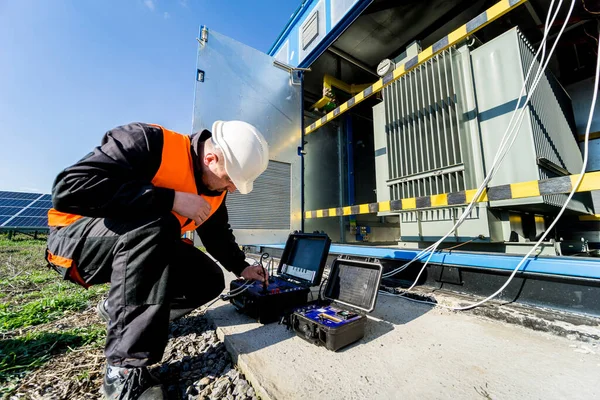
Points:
(322, 337)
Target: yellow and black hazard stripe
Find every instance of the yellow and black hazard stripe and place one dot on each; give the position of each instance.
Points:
(595, 217)
(593, 135)
(491, 14)
(563, 184)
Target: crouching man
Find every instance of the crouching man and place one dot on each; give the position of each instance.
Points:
(118, 217)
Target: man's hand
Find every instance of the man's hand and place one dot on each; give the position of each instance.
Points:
(191, 206)
(256, 272)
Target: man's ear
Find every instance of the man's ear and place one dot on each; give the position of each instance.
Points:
(210, 158)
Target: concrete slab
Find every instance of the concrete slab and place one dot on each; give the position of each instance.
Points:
(410, 351)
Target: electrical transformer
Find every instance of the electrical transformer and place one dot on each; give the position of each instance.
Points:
(439, 128)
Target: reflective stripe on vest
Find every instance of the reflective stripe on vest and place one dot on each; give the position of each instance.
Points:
(58, 218)
(70, 269)
(176, 171)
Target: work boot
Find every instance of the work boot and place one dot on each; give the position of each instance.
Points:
(131, 383)
(102, 310)
(175, 313)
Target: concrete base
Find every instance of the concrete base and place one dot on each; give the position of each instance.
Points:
(413, 350)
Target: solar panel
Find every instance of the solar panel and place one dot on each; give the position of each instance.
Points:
(24, 211)
(29, 222)
(14, 203)
(19, 195)
(9, 211)
(47, 204)
(34, 212)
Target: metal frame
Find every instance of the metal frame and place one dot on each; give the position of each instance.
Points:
(244, 84)
(563, 184)
(564, 266)
(477, 23)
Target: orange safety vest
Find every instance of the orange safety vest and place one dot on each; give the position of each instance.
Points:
(172, 174)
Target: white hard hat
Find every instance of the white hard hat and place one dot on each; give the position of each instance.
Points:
(245, 150)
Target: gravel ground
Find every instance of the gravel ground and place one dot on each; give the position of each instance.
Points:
(195, 366)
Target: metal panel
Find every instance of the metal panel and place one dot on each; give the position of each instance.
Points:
(309, 30)
(581, 97)
(424, 129)
(430, 225)
(467, 114)
(381, 159)
(499, 69)
(584, 267)
(250, 211)
(324, 178)
(242, 83)
(433, 143)
(552, 136)
(593, 155)
(283, 55)
(312, 30)
(339, 8)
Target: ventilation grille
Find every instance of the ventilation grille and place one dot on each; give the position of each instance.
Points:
(268, 205)
(310, 30)
(422, 129)
(547, 118)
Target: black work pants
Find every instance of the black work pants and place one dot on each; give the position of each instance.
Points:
(152, 274)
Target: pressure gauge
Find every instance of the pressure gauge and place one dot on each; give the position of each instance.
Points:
(385, 67)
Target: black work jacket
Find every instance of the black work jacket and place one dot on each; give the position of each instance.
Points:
(114, 181)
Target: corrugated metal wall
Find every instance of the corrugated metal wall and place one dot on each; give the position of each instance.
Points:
(550, 126)
(273, 187)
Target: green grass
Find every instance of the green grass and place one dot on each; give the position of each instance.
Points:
(31, 351)
(22, 263)
(32, 294)
(27, 279)
(20, 239)
(47, 308)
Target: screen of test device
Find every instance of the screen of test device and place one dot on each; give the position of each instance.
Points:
(307, 253)
(352, 284)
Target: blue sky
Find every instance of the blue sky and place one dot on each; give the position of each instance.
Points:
(72, 69)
